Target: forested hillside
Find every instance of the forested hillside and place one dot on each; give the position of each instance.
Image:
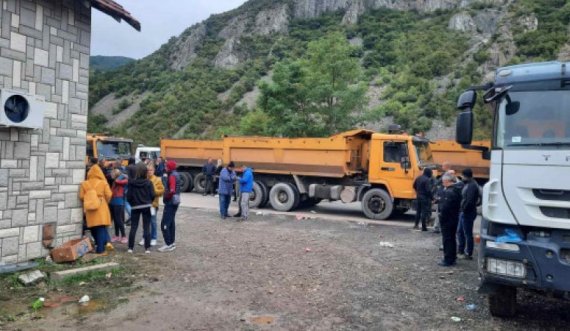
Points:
(270, 68)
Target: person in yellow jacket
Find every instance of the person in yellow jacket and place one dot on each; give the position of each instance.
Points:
(158, 191)
(99, 219)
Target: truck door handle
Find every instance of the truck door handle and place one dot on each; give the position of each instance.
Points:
(387, 169)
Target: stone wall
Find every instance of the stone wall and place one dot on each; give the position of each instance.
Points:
(44, 50)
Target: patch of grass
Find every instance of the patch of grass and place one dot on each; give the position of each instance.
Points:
(89, 277)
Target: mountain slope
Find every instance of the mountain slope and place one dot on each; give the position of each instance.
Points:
(416, 57)
(106, 63)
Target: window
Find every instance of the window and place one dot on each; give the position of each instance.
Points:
(394, 151)
(533, 119)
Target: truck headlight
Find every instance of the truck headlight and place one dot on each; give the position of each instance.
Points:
(503, 246)
(506, 268)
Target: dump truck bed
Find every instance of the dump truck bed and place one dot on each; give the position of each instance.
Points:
(338, 156)
(191, 153)
(461, 158)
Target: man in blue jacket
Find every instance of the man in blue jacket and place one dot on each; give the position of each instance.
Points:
(245, 188)
(226, 188)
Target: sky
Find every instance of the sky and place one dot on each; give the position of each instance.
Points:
(160, 20)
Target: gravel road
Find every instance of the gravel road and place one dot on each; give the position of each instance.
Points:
(279, 273)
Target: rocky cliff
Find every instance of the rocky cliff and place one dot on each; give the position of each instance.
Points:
(208, 74)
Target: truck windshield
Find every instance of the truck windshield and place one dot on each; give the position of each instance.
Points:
(113, 149)
(423, 152)
(531, 119)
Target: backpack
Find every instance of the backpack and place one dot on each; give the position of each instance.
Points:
(91, 201)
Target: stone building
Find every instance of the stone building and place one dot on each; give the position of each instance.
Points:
(44, 53)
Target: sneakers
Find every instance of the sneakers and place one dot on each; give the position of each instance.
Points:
(141, 242)
(124, 240)
(417, 228)
(467, 257)
(115, 239)
(147, 252)
(130, 251)
(153, 242)
(163, 248)
(461, 256)
(167, 248)
(109, 247)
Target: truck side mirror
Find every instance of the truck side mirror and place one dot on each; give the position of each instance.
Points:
(467, 100)
(464, 128)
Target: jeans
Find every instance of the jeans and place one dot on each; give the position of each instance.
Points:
(118, 214)
(465, 233)
(101, 237)
(128, 208)
(224, 204)
(423, 212)
(448, 224)
(209, 189)
(244, 203)
(135, 217)
(153, 226)
(168, 224)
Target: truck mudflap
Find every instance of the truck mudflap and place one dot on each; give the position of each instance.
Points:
(545, 261)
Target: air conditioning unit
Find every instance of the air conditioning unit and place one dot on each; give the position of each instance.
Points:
(21, 110)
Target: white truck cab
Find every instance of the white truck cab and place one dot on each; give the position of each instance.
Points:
(525, 231)
(144, 152)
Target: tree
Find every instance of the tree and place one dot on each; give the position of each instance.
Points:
(317, 95)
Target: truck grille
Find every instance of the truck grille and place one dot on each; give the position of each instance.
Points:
(552, 195)
(556, 212)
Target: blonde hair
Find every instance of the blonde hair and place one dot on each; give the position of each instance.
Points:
(150, 166)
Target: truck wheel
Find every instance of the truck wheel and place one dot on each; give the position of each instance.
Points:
(200, 183)
(296, 195)
(187, 184)
(377, 204)
(256, 197)
(265, 194)
(503, 302)
(283, 197)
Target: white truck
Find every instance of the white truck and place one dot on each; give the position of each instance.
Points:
(525, 230)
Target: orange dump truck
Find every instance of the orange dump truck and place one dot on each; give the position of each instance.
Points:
(460, 158)
(375, 169)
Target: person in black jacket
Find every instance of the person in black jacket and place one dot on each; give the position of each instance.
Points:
(209, 170)
(140, 197)
(470, 195)
(449, 204)
(424, 193)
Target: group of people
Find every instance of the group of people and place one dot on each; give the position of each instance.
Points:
(228, 185)
(456, 201)
(110, 191)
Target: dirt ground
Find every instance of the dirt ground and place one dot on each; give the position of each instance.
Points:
(279, 273)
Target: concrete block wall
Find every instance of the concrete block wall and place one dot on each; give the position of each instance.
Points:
(44, 50)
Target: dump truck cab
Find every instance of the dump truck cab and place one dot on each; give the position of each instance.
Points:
(108, 148)
(396, 160)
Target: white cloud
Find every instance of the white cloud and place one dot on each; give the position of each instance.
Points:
(160, 20)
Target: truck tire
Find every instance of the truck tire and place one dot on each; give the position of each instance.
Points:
(296, 195)
(503, 302)
(283, 197)
(200, 183)
(377, 204)
(187, 184)
(257, 197)
(265, 194)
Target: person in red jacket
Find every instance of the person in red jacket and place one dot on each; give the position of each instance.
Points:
(171, 199)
